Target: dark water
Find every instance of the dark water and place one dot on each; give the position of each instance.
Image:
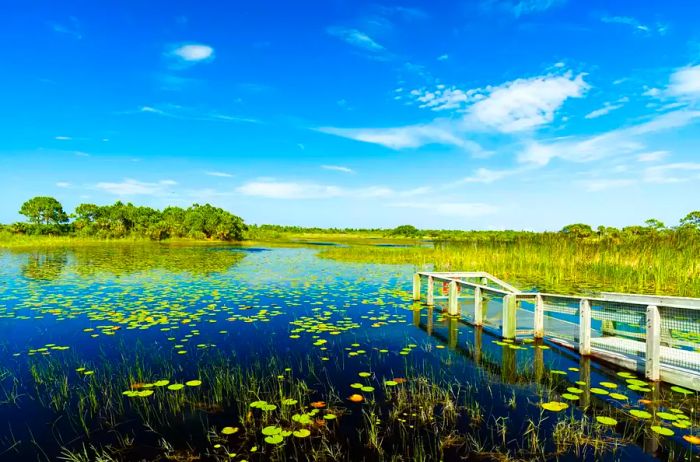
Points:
(82, 326)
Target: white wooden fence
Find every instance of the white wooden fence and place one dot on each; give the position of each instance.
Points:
(654, 335)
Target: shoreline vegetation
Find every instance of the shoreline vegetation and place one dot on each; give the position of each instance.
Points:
(650, 258)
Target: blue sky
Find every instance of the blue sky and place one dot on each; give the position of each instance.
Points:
(493, 114)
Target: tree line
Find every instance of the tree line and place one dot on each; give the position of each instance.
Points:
(46, 216)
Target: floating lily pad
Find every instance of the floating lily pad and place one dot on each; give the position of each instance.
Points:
(176, 386)
(640, 414)
(662, 430)
(229, 430)
(606, 420)
(274, 439)
(193, 383)
(302, 433)
(681, 390)
(554, 406)
(271, 430)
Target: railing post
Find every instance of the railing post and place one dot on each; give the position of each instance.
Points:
(509, 311)
(584, 328)
(653, 351)
(539, 317)
(452, 302)
(416, 287)
(478, 307)
(430, 301)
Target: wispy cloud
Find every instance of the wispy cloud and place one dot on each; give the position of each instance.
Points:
(519, 8)
(673, 173)
(685, 82)
(63, 138)
(63, 184)
(606, 109)
(452, 209)
(131, 187)
(485, 175)
(273, 189)
(187, 113)
(355, 38)
(218, 174)
(618, 142)
(652, 156)
(72, 28)
(605, 184)
(191, 53)
(338, 168)
(521, 105)
(635, 24)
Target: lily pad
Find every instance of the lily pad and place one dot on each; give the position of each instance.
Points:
(606, 420)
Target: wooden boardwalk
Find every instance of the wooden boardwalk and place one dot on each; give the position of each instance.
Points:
(656, 336)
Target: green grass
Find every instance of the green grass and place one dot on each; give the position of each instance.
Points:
(555, 263)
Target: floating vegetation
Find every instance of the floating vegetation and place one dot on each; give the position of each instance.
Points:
(215, 353)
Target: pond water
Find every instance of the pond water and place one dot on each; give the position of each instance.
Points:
(158, 352)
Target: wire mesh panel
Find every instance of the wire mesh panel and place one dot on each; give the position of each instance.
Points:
(466, 302)
(561, 317)
(680, 337)
(619, 327)
(492, 309)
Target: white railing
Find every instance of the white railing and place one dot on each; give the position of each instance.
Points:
(657, 335)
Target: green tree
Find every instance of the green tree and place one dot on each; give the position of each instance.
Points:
(578, 230)
(405, 230)
(654, 224)
(692, 220)
(44, 210)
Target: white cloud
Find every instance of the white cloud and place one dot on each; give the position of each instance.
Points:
(186, 113)
(71, 28)
(355, 38)
(652, 156)
(443, 57)
(521, 7)
(193, 52)
(522, 104)
(63, 138)
(442, 98)
(273, 189)
(218, 174)
(289, 190)
(338, 168)
(626, 20)
(605, 184)
(130, 187)
(609, 144)
(526, 104)
(453, 209)
(685, 82)
(485, 175)
(63, 184)
(606, 109)
(405, 137)
(517, 106)
(673, 173)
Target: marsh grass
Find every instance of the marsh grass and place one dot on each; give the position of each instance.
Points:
(552, 262)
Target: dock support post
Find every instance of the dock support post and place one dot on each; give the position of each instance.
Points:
(510, 305)
(584, 328)
(653, 350)
(539, 317)
(416, 287)
(452, 302)
(430, 300)
(478, 307)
